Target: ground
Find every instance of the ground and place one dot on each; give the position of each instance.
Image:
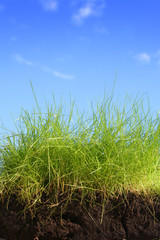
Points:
(123, 218)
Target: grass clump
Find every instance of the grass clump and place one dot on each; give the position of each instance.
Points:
(113, 151)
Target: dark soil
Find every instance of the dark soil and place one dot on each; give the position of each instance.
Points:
(130, 218)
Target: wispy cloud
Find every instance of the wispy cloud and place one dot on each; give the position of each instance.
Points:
(57, 74)
(143, 58)
(62, 75)
(49, 5)
(90, 8)
(83, 13)
(18, 58)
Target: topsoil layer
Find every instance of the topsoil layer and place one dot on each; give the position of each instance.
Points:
(130, 218)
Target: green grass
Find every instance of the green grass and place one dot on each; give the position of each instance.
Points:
(112, 151)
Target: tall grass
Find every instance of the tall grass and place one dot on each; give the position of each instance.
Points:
(113, 151)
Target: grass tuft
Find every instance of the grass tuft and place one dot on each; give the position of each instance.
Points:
(112, 151)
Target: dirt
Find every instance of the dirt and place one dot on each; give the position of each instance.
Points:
(125, 218)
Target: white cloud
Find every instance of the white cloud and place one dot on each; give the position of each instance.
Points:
(90, 8)
(49, 5)
(62, 75)
(20, 59)
(143, 58)
(57, 74)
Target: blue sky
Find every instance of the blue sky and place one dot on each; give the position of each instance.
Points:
(75, 47)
